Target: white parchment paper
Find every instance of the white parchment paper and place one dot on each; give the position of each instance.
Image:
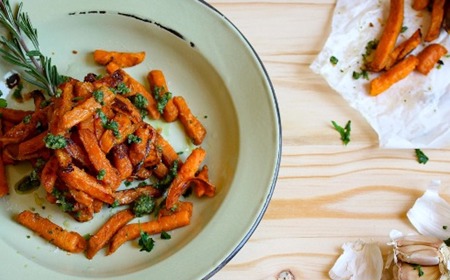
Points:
(415, 112)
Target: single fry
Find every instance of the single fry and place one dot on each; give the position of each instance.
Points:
(122, 59)
(169, 155)
(49, 174)
(429, 56)
(420, 5)
(107, 230)
(389, 36)
(129, 195)
(121, 161)
(32, 145)
(158, 85)
(86, 109)
(393, 75)
(135, 88)
(186, 172)
(193, 127)
(402, 50)
(78, 179)
(181, 217)
(98, 159)
(69, 241)
(437, 16)
(13, 115)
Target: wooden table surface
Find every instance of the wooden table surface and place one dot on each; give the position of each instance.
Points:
(326, 193)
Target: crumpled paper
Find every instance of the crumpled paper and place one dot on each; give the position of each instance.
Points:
(413, 113)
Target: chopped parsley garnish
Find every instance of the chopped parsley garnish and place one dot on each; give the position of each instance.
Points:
(115, 204)
(146, 242)
(144, 204)
(444, 227)
(121, 88)
(26, 119)
(363, 73)
(440, 63)
(165, 235)
(404, 28)
(421, 157)
(141, 103)
(17, 93)
(98, 96)
(420, 272)
(161, 99)
(370, 47)
(334, 60)
(133, 139)
(78, 98)
(343, 131)
(127, 183)
(61, 201)
(101, 174)
(166, 181)
(447, 242)
(55, 142)
(3, 103)
(109, 124)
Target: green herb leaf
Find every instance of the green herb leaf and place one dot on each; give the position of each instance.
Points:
(62, 201)
(343, 131)
(144, 204)
(101, 174)
(334, 60)
(146, 242)
(121, 88)
(133, 139)
(420, 272)
(421, 157)
(26, 119)
(98, 96)
(161, 99)
(55, 142)
(3, 103)
(165, 235)
(141, 103)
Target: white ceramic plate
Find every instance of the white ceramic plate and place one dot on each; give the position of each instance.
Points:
(209, 62)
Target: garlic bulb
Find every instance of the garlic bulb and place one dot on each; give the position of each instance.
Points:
(359, 261)
(405, 271)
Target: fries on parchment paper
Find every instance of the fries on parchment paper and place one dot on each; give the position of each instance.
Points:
(85, 142)
(393, 60)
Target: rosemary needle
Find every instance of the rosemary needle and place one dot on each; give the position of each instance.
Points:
(38, 68)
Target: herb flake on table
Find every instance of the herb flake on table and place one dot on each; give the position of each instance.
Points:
(343, 131)
(334, 60)
(421, 156)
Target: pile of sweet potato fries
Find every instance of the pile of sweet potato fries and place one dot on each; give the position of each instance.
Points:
(91, 138)
(394, 63)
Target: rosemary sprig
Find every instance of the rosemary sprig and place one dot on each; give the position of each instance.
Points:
(38, 68)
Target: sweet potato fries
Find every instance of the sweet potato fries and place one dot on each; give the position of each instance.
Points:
(92, 137)
(393, 63)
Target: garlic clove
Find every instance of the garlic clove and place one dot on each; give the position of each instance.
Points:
(405, 271)
(419, 254)
(359, 261)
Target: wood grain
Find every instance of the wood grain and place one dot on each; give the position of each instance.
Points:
(327, 194)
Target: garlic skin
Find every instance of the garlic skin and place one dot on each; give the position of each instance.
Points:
(359, 261)
(430, 215)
